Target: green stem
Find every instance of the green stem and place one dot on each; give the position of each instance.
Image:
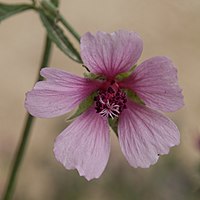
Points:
(9, 191)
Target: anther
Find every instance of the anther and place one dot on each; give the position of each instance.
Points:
(110, 102)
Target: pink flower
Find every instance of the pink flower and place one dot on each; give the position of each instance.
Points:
(143, 132)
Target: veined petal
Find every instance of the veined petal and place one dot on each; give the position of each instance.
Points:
(155, 82)
(58, 94)
(85, 145)
(110, 54)
(144, 134)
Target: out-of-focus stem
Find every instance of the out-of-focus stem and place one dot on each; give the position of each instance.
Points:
(9, 190)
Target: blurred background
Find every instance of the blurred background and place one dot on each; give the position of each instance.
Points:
(170, 28)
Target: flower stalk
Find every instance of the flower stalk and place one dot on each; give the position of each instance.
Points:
(9, 190)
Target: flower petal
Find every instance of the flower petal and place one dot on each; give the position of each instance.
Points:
(144, 134)
(85, 145)
(110, 54)
(155, 82)
(59, 94)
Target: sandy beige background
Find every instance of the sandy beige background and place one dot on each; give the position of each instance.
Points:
(170, 28)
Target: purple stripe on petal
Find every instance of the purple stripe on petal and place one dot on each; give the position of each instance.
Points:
(110, 54)
(144, 134)
(155, 81)
(85, 145)
(59, 94)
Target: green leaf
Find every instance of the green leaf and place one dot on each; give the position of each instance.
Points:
(57, 35)
(114, 125)
(7, 10)
(50, 9)
(83, 106)
(55, 2)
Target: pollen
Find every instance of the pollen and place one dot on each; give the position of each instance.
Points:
(110, 101)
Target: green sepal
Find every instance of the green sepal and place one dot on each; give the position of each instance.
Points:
(7, 10)
(134, 97)
(93, 76)
(57, 35)
(125, 74)
(84, 105)
(114, 125)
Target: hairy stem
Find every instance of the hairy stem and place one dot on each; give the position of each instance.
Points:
(9, 190)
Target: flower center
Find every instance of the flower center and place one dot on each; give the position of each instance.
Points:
(110, 101)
